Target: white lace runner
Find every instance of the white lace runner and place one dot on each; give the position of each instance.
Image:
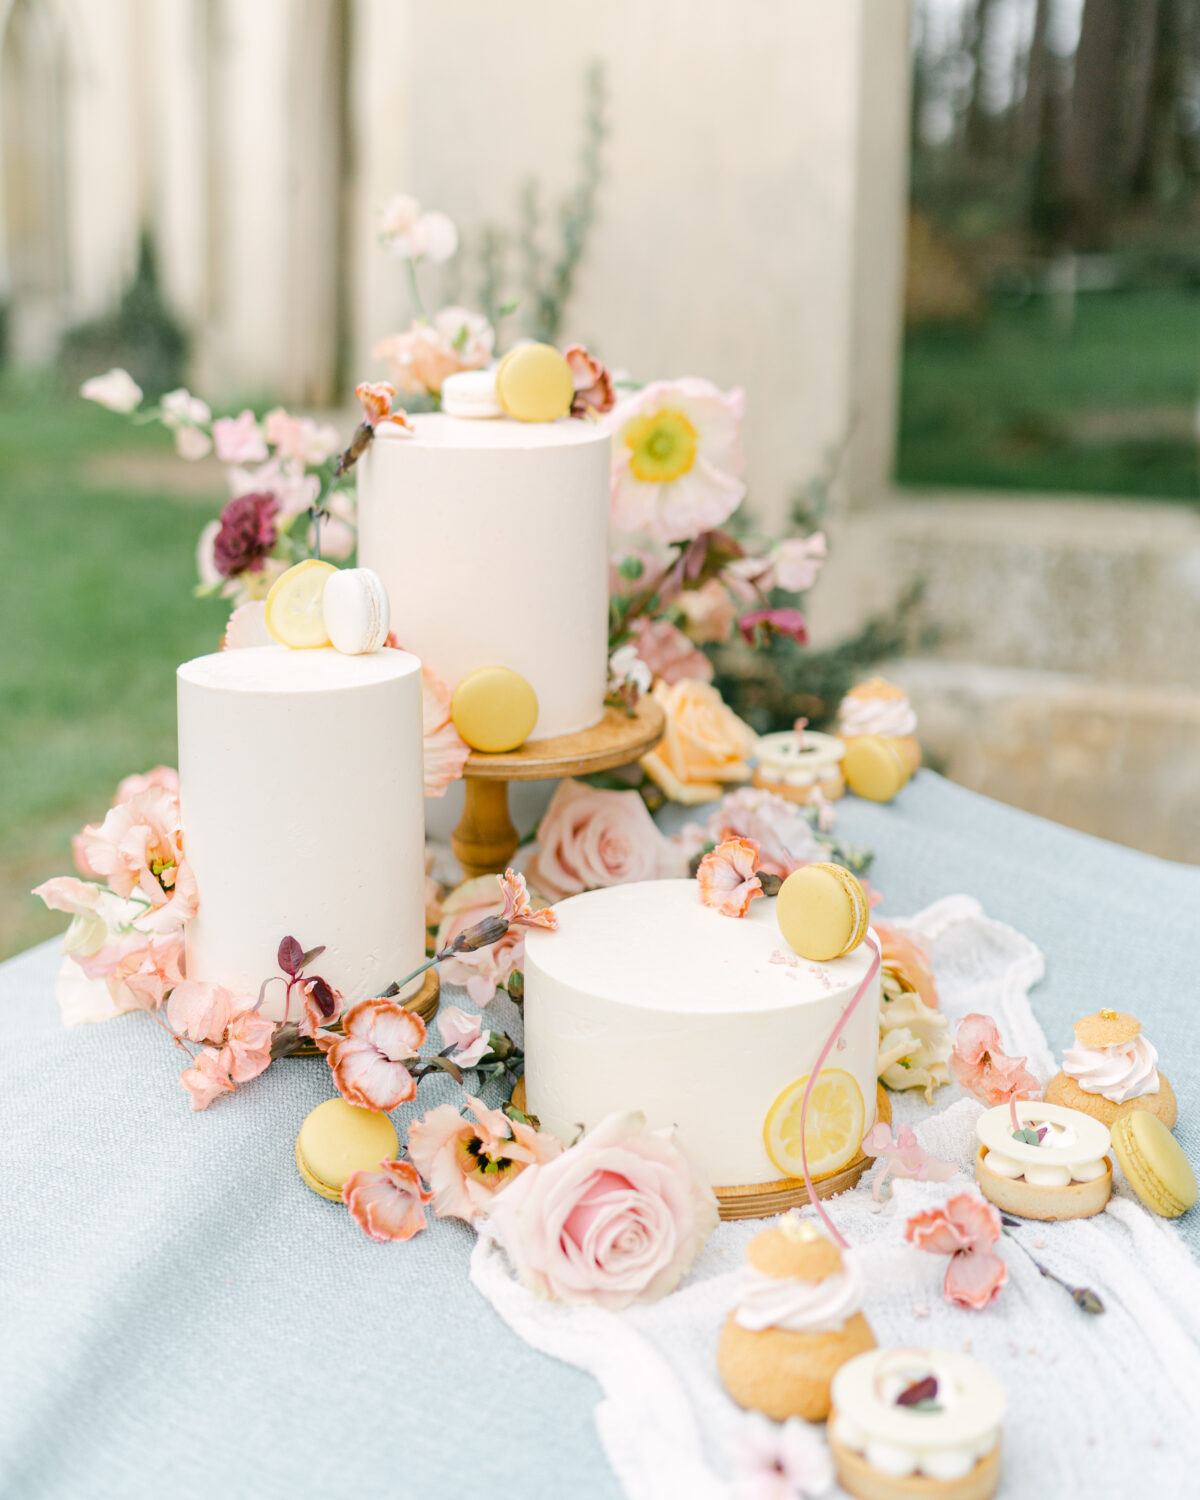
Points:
(1097, 1405)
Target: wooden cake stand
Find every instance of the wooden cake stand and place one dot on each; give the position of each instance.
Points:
(485, 840)
(763, 1200)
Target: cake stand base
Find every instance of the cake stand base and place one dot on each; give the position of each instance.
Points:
(763, 1200)
(485, 840)
(424, 1004)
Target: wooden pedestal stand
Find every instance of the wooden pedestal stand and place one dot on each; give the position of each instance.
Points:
(485, 840)
(763, 1200)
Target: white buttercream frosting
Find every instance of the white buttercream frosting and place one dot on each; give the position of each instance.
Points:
(1125, 1071)
(863, 715)
(798, 1306)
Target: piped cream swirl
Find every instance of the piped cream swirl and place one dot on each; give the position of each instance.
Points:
(798, 1306)
(891, 716)
(1125, 1071)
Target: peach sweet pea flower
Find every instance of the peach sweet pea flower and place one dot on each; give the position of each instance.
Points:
(117, 390)
(239, 440)
(80, 899)
(983, 1069)
(619, 1218)
(705, 743)
(486, 969)
(517, 906)
(670, 655)
(139, 848)
(905, 961)
(420, 360)
(590, 838)
(465, 1034)
(388, 1204)
(467, 1162)
(446, 752)
(593, 383)
(300, 439)
(139, 969)
(965, 1228)
(201, 1011)
(709, 614)
(207, 1079)
(368, 1060)
(677, 458)
(166, 777)
(727, 878)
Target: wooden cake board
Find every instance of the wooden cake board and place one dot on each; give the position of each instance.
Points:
(763, 1200)
(424, 1004)
(485, 840)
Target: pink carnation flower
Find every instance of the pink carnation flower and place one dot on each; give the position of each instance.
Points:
(983, 1069)
(368, 1061)
(590, 838)
(669, 654)
(619, 1218)
(388, 1204)
(677, 458)
(466, 1162)
(245, 535)
(517, 906)
(593, 383)
(727, 879)
(965, 1228)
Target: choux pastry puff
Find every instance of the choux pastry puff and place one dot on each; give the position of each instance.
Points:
(796, 1320)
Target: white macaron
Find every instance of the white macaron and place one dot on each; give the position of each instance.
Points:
(357, 614)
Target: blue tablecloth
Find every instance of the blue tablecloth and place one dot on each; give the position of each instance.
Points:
(181, 1317)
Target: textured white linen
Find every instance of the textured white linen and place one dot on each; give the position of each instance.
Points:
(1096, 1404)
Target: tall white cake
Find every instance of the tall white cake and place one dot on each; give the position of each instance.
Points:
(646, 999)
(301, 802)
(492, 539)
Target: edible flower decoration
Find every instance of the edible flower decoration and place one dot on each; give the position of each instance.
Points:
(593, 383)
(965, 1228)
(388, 1204)
(980, 1066)
(903, 1157)
(780, 1461)
(727, 879)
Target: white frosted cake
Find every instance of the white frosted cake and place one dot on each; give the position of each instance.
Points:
(646, 999)
(302, 812)
(492, 538)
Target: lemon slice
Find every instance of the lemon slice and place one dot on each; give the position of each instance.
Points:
(294, 615)
(836, 1118)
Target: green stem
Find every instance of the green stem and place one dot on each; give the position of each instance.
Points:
(415, 290)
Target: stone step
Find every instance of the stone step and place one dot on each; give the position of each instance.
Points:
(1120, 760)
(1104, 589)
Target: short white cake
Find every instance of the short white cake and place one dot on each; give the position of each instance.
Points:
(646, 999)
(492, 539)
(301, 802)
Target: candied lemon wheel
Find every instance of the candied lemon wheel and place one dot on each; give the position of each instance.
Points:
(294, 615)
(836, 1118)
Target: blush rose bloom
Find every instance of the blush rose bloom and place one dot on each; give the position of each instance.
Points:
(705, 743)
(590, 838)
(617, 1219)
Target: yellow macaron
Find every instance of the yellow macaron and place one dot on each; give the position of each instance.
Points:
(494, 709)
(338, 1139)
(822, 911)
(534, 383)
(1154, 1164)
(875, 767)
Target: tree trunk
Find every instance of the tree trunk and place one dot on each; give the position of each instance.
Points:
(1090, 154)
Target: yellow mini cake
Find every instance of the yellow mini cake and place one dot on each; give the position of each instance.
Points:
(795, 1321)
(1111, 1071)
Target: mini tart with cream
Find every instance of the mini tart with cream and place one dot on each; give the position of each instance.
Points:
(795, 763)
(1056, 1167)
(879, 707)
(1112, 1070)
(916, 1422)
(796, 1319)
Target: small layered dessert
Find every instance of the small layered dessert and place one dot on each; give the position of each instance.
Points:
(797, 1318)
(1111, 1071)
(1052, 1167)
(916, 1422)
(796, 763)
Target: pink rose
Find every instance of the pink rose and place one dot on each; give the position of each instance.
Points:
(487, 969)
(619, 1218)
(668, 653)
(590, 838)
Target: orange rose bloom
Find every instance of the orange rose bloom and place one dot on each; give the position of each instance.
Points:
(705, 744)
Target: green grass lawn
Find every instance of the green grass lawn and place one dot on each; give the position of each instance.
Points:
(96, 613)
(1020, 404)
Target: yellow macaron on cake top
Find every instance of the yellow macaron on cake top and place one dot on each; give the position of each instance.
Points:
(822, 911)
